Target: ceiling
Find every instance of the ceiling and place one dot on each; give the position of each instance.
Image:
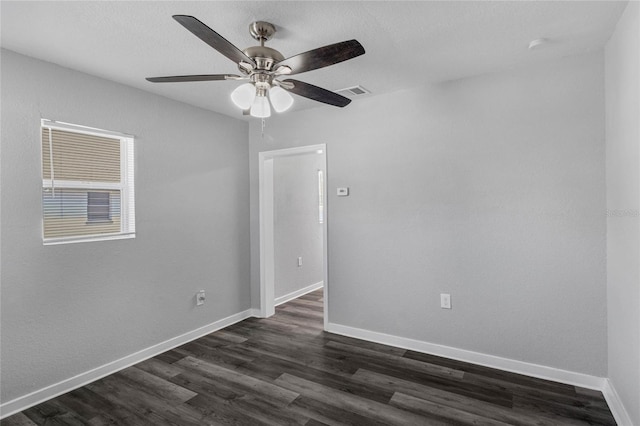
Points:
(407, 43)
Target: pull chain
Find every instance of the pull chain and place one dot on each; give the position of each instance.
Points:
(263, 125)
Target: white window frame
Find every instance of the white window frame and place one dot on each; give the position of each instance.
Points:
(125, 186)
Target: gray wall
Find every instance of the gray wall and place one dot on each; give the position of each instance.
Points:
(489, 188)
(67, 309)
(623, 203)
(297, 231)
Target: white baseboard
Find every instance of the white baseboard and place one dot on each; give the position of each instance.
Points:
(514, 366)
(67, 385)
(615, 404)
(604, 385)
(294, 295)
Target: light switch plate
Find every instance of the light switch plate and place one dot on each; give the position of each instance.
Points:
(343, 192)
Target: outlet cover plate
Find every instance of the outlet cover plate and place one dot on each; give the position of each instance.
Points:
(445, 301)
(200, 298)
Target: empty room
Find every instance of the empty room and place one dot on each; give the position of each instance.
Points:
(320, 213)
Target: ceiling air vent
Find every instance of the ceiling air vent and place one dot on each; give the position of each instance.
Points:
(353, 91)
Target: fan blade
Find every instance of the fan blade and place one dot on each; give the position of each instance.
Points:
(316, 93)
(322, 57)
(213, 39)
(202, 77)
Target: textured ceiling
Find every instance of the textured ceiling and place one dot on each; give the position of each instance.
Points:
(407, 43)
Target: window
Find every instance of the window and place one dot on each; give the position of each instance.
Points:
(87, 184)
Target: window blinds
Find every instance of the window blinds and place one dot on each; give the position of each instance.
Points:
(87, 190)
(80, 157)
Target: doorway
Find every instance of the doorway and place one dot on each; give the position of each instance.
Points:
(271, 236)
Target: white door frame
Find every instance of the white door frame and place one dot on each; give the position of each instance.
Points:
(267, 245)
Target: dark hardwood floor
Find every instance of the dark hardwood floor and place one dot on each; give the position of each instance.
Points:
(287, 370)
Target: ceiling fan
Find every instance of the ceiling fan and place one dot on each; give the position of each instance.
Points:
(264, 66)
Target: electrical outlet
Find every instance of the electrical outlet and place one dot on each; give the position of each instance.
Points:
(445, 301)
(200, 298)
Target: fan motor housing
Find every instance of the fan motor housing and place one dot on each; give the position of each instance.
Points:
(264, 57)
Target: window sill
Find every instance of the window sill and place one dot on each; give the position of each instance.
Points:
(87, 238)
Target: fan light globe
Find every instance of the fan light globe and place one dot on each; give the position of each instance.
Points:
(280, 99)
(260, 107)
(244, 95)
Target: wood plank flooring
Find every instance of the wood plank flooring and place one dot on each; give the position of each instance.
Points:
(286, 370)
